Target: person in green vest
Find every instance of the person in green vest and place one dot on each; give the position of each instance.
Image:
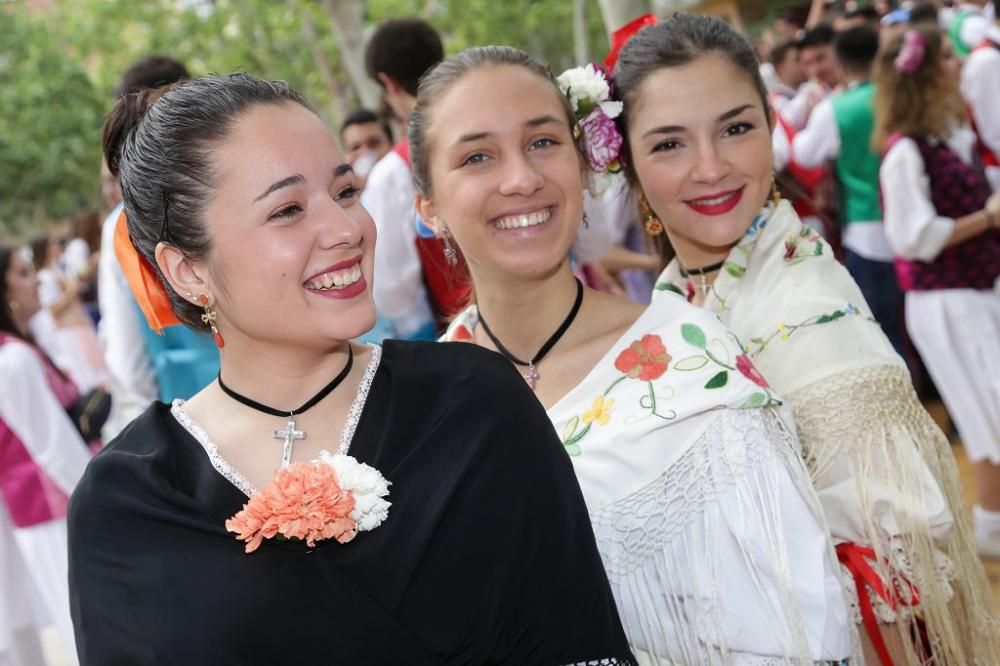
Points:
(839, 131)
(966, 24)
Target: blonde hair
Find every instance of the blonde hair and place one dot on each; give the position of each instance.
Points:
(924, 102)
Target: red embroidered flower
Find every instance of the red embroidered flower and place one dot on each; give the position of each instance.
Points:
(790, 250)
(750, 371)
(461, 334)
(646, 359)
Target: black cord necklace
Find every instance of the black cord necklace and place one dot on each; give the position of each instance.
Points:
(701, 273)
(532, 376)
(290, 435)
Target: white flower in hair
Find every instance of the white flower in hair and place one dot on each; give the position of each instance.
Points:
(584, 86)
(588, 90)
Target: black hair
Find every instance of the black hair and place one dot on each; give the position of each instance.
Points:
(39, 250)
(152, 71)
(158, 144)
(404, 49)
(924, 12)
(780, 51)
(868, 12)
(7, 324)
(821, 35)
(363, 117)
(856, 49)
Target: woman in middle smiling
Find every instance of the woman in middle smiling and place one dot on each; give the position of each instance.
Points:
(703, 511)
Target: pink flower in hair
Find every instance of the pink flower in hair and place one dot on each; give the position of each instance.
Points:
(911, 55)
(602, 139)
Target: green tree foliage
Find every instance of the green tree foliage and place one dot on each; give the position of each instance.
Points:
(59, 68)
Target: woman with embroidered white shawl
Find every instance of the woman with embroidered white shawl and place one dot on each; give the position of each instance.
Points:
(698, 146)
(703, 512)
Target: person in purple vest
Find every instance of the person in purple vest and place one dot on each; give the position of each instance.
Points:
(42, 457)
(944, 227)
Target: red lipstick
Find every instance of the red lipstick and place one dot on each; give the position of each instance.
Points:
(720, 202)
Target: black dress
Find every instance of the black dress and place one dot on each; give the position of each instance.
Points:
(487, 556)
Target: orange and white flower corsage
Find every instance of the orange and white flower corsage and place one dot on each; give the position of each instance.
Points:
(334, 497)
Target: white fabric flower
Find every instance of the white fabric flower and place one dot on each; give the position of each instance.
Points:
(584, 84)
(367, 484)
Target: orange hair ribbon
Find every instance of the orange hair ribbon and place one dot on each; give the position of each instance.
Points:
(143, 280)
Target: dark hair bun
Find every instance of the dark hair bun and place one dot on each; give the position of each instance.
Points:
(122, 121)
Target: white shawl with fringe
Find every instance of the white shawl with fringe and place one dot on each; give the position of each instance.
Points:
(884, 471)
(703, 511)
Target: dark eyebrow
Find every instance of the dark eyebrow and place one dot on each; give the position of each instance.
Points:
(732, 113)
(284, 182)
(534, 122)
(670, 129)
(341, 170)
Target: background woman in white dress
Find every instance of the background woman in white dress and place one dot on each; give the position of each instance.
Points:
(944, 227)
(702, 510)
(42, 456)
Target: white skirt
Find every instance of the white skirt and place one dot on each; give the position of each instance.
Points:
(44, 551)
(957, 333)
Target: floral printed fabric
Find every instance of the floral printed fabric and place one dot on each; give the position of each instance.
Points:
(777, 257)
(660, 371)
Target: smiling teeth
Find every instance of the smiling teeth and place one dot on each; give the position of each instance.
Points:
(716, 201)
(335, 280)
(523, 221)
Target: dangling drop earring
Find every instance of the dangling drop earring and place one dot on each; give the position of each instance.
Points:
(450, 255)
(775, 192)
(209, 319)
(652, 223)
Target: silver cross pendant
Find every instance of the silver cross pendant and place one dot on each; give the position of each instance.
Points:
(531, 376)
(290, 435)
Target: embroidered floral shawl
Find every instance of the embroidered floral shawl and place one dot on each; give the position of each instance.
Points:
(884, 471)
(703, 512)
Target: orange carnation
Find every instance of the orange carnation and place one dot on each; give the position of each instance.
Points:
(304, 502)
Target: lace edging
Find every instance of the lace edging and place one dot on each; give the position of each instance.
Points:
(231, 474)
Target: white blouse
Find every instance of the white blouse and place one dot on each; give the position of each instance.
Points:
(912, 224)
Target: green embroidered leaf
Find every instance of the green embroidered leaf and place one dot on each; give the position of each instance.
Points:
(691, 363)
(570, 428)
(693, 335)
(745, 251)
(735, 270)
(719, 348)
(668, 286)
(833, 316)
(573, 449)
(757, 341)
(756, 400)
(718, 381)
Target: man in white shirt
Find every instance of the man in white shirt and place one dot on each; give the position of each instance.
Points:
(397, 55)
(981, 87)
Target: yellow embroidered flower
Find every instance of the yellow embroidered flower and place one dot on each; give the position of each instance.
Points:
(600, 412)
(783, 330)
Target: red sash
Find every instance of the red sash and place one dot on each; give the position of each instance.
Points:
(449, 287)
(809, 178)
